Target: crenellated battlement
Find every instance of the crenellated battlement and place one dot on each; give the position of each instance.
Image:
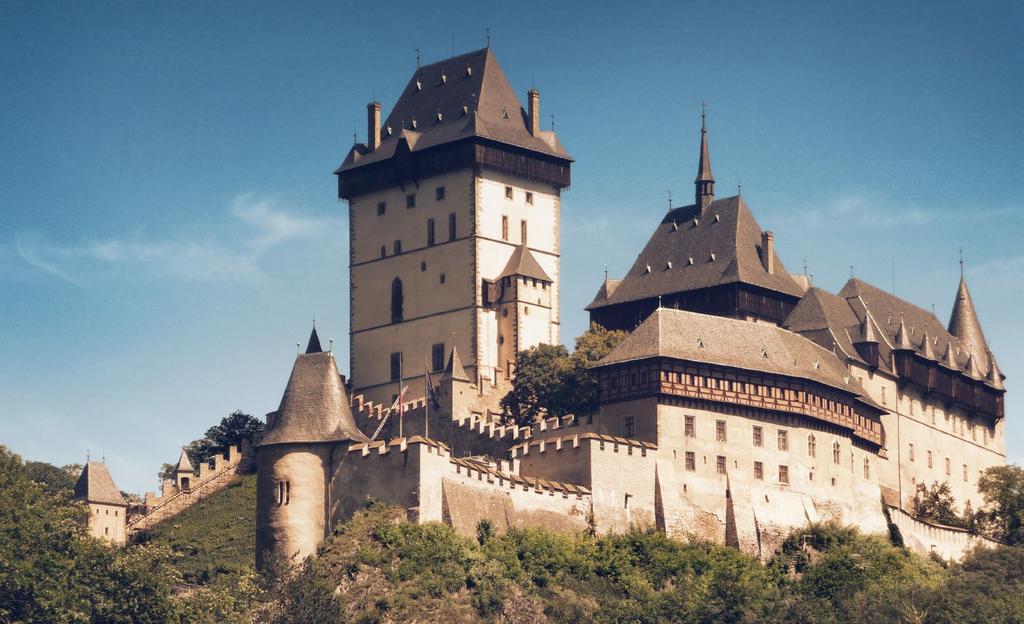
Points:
(401, 445)
(494, 476)
(604, 442)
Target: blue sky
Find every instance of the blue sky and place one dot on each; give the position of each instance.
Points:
(169, 222)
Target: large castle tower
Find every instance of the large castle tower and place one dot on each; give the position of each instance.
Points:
(457, 180)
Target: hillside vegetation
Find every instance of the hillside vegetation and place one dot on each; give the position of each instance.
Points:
(377, 568)
(213, 537)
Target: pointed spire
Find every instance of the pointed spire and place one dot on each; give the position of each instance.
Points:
(926, 347)
(964, 323)
(949, 358)
(903, 338)
(313, 346)
(454, 370)
(995, 376)
(972, 367)
(867, 329)
(184, 465)
(705, 182)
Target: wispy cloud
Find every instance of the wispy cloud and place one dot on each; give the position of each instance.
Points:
(999, 268)
(234, 254)
(862, 211)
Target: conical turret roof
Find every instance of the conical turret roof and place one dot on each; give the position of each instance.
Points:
(903, 338)
(184, 465)
(313, 346)
(868, 333)
(704, 164)
(95, 485)
(995, 376)
(522, 262)
(454, 370)
(972, 367)
(926, 347)
(964, 323)
(314, 407)
(949, 358)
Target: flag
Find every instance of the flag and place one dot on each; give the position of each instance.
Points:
(432, 398)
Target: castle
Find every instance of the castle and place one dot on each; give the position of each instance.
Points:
(743, 404)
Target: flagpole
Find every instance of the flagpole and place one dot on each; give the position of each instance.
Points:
(426, 404)
(401, 407)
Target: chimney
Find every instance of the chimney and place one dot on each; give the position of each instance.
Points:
(768, 251)
(533, 96)
(373, 125)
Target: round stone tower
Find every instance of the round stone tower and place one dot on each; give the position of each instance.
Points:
(293, 461)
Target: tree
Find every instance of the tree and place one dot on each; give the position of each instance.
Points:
(233, 428)
(52, 478)
(550, 380)
(1002, 517)
(936, 504)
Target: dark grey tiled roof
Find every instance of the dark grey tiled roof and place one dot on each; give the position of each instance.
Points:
(474, 99)
(522, 262)
(762, 347)
(606, 290)
(690, 251)
(95, 485)
(836, 321)
(314, 407)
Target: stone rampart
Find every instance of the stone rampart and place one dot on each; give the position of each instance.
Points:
(925, 538)
(213, 476)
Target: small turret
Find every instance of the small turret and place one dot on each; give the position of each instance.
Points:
(454, 370)
(867, 343)
(949, 358)
(705, 181)
(995, 376)
(902, 338)
(184, 472)
(927, 351)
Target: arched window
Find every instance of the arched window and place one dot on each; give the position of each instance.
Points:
(396, 301)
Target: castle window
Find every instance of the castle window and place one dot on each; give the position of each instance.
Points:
(759, 470)
(437, 356)
(783, 440)
(397, 301)
(812, 446)
(430, 232)
(948, 467)
(381, 208)
(835, 453)
(439, 193)
(410, 200)
(396, 365)
(287, 492)
(397, 245)
(720, 464)
(508, 192)
(442, 278)
(867, 468)
(929, 459)
(974, 433)
(529, 197)
(383, 251)
(689, 428)
(783, 474)
(965, 473)
(933, 414)
(691, 461)
(522, 231)
(423, 266)
(883, 395)
(720, 430)
(910, 451)
(504, 227)
(758, 436)
(629, 427)
(106, 530)
(451, 226)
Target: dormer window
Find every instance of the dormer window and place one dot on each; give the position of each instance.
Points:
(388, 130)
(469, 71)
(413, 123)
(444, 77)
(419, 85)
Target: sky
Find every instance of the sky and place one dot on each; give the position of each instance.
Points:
(169, 222)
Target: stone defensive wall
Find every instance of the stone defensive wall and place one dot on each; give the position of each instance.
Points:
(422, 476)
(618, 471)
(213, 477)
(950, 543)
(469, 433)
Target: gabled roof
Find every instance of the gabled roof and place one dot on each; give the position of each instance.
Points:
(455, 370)
(522, 262)
(606, 290)
(964, 322)
(690, 251)
(473, 97)
(95, 485)
(314, 407)
(762, 347)
(184, 464)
